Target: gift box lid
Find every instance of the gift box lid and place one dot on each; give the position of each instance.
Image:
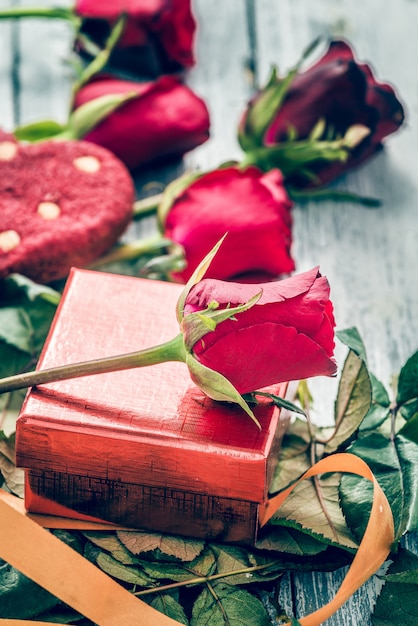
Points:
(149, 426)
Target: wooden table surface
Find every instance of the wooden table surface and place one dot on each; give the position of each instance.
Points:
(369, 255)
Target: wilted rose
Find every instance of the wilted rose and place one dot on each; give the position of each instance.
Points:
(330, 117)
(252, 207)
(288, 334)
(161, 32)
(140, 130)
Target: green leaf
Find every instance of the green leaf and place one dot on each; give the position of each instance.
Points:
(408, 410)
(20, 598)
(126, 573)
(38, 304)
(353, 402)
(166, 604)
(26, 313)
(351, 338)
(38, 131)
(16, 328)
(12, 361)
(181, 548)
(408, 381)
(394, 465)
(227, 605)
(277, 400)
(203, 565)
(289, 541)
(236, 559)
(397, 602)
(380, 407)
(410, 429)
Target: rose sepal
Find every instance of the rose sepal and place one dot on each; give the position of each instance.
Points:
(89, 115)
(197, 275)
(171, 192)
(101, 59)
(216, 386)
(194, 326)
(262, 111)
(295, 156)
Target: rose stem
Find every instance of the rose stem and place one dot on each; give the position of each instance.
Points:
(172, 350)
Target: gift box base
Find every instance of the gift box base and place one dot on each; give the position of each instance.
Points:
(143, 448)
(146, 508)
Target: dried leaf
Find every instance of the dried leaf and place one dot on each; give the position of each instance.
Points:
(13, 476)
(10, 405)
(110, 543)
(303, 511)
(126, 573)
(353, 400)
(289, 541)
(182, 548)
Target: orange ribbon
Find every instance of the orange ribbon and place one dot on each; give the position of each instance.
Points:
(375, 544)
(45, 559)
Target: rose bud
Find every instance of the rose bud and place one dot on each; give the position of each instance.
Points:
(161, 32)
(138, 130)
(234, 338)
(252, 207)
(318, 123)
(288, 334)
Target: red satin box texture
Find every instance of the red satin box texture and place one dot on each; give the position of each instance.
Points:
(142, 447)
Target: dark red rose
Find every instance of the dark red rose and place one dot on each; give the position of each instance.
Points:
(141, 130)
(252, 207)
(344, 94)
(287, 335)
(158, 30)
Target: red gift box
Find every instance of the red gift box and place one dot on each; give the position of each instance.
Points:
(142, 447)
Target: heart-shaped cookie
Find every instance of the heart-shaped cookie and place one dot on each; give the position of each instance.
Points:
(62, 204)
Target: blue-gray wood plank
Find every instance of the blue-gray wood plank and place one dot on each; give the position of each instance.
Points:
(369, 255)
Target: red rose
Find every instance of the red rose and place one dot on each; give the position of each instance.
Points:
(252, 207)
(341, 92)
(166, 119)
(287, 335)
(158, 29)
